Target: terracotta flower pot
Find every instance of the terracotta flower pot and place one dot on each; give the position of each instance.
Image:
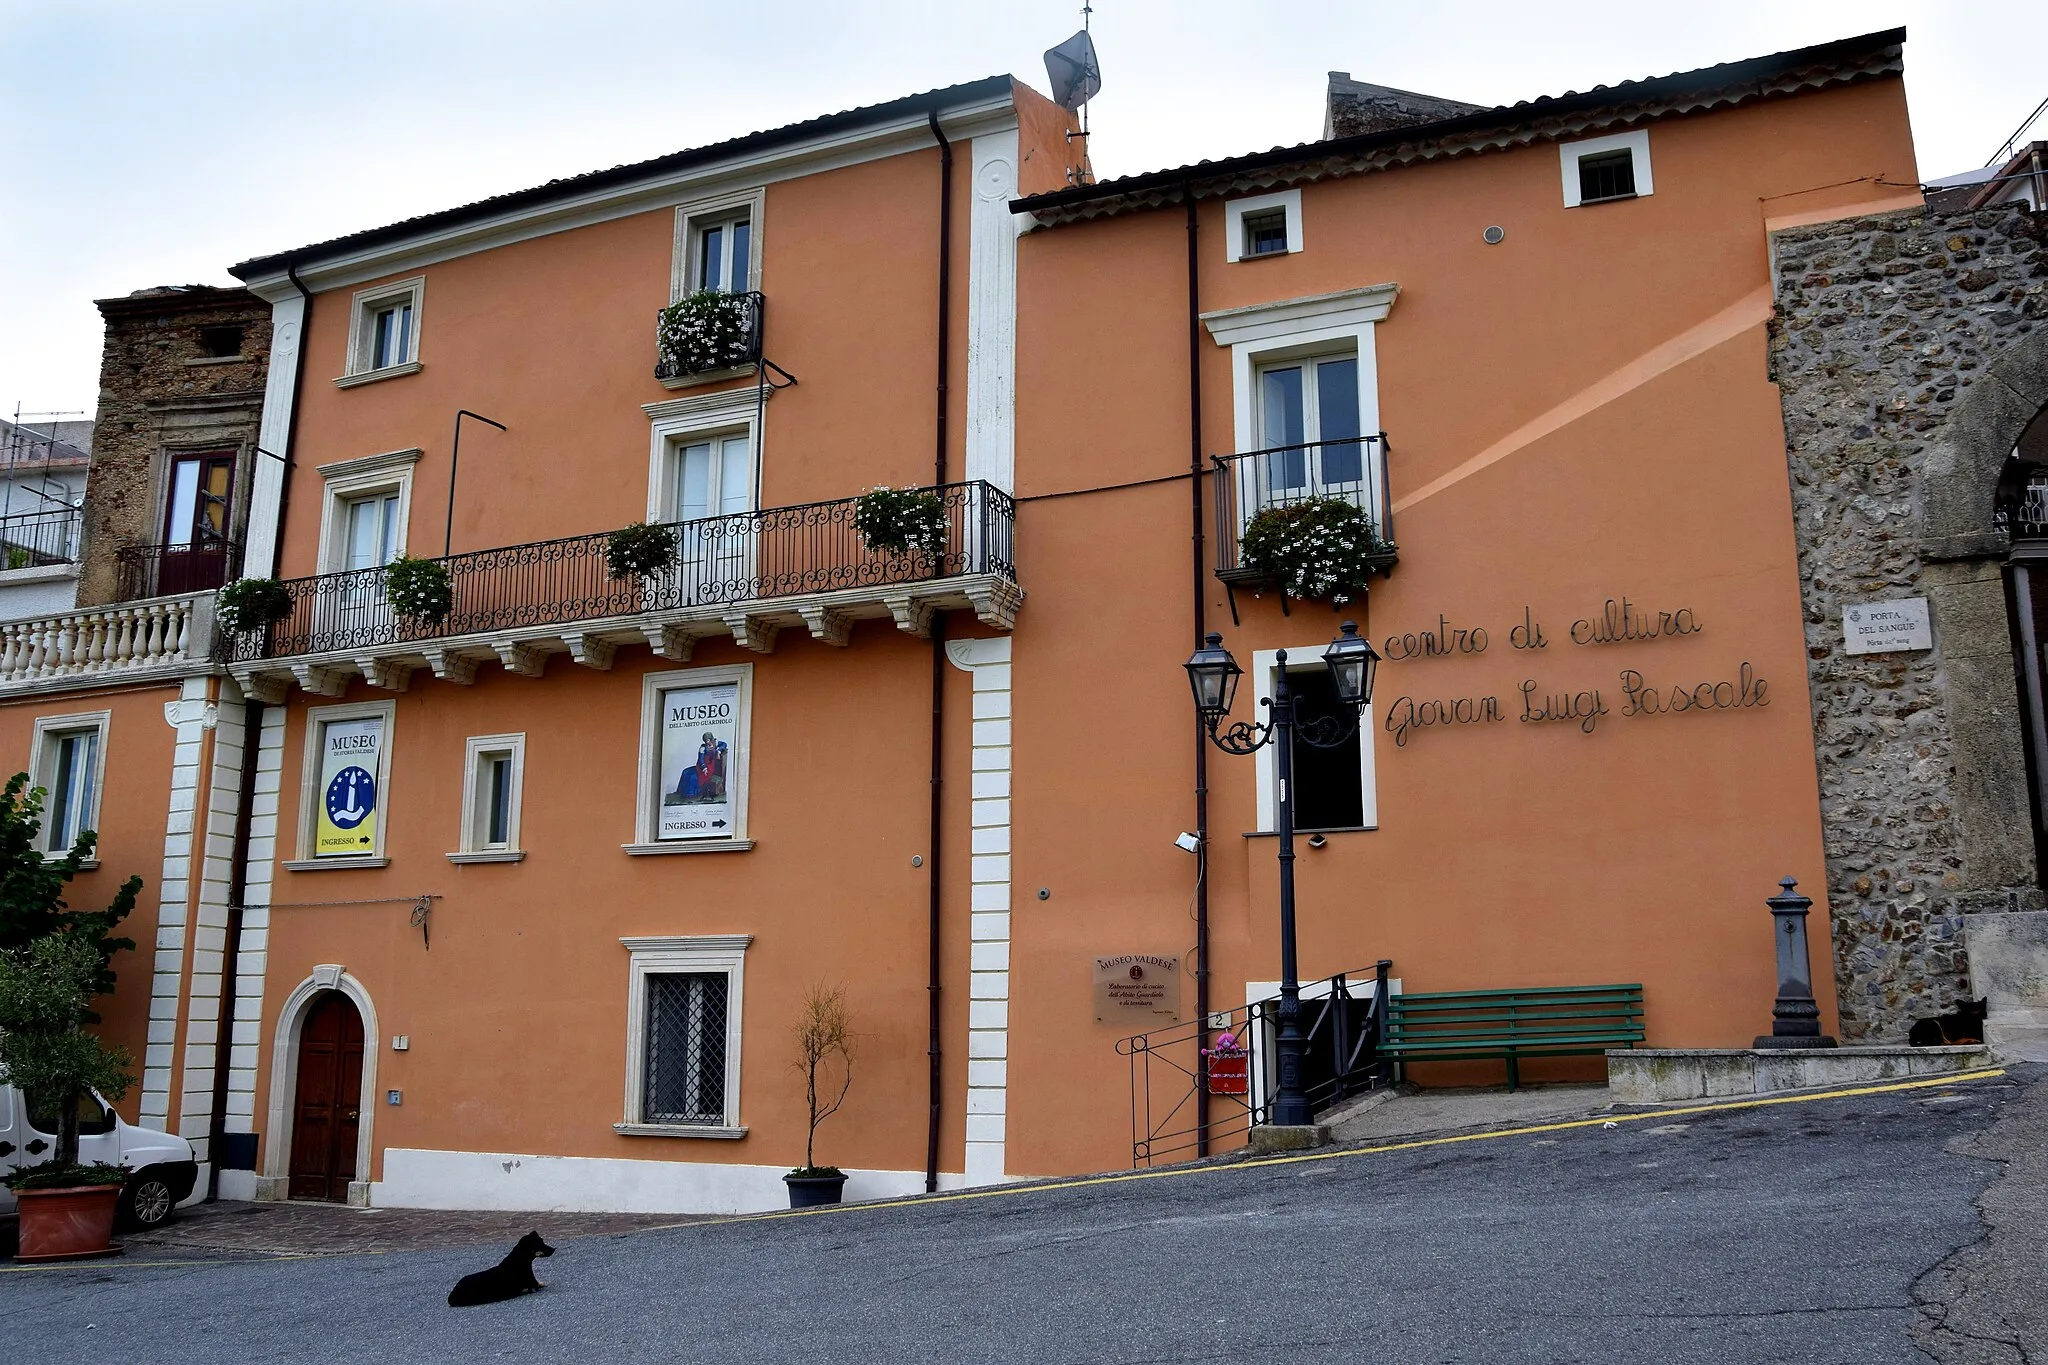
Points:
(68, 1223)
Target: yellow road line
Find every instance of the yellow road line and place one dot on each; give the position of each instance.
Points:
(1255, 1163)
(1127, 1177)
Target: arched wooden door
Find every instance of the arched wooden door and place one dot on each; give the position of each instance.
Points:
(328, 1100)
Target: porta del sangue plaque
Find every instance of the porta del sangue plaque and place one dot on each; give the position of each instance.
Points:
(1887, 627)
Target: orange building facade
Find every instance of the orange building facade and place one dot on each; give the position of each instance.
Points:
(532, 882)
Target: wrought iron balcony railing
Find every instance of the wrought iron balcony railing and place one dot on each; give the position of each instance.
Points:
(164, 570)
(727, 336)
(35, 540)
(1351, 471)
(740, 560)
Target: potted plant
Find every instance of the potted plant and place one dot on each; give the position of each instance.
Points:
(252, 604)
(418, 590)
(824, 1045)
(1316, 549)
(639, 549)
(46, 991)
(900, 521)
(703, 332)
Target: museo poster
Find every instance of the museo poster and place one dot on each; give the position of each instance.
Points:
(348, 781)
(699, 736)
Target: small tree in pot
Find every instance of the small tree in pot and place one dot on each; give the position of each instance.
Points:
(46, 992)
(639, 549)
(824, 1052)
(252, 603)
(418, 590)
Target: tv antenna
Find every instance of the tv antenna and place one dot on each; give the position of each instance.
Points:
(1076, 77)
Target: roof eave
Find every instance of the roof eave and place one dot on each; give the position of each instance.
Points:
(267, 274)
(1487, 129)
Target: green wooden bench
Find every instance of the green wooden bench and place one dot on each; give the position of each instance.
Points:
(1539, 1021)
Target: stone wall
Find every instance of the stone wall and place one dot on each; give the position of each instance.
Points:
(160, 391)
(1882, 325)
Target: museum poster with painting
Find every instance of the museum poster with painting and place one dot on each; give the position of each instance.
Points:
(699, 736)
(349, 752)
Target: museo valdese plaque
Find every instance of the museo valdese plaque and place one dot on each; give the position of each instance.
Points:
(1136, 986)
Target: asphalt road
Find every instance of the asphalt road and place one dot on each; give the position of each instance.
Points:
(1788, 1233)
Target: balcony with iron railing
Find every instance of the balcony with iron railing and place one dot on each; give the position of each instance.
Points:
(744, 576)
(707, 334)
(41, 539)
(1344, 481)
(144, 571)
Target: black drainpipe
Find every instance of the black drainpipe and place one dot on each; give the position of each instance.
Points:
(931, 1140)
(230, 963)
(1201, 627)
(252, 734)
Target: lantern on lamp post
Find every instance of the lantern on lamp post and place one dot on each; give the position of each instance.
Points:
(1213, 677)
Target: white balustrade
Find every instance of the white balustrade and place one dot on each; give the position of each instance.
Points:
(98, 640)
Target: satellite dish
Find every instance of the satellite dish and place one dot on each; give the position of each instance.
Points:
(1075, 74)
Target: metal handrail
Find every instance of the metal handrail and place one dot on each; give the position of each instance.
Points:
(1340, 1056)
(742, 557)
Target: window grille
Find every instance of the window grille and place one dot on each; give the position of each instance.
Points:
(1265, 232)
(1609, 175)
(686, 1048)
(2024, 513)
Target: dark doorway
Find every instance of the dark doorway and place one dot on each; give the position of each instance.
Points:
(1329, 788)
(194, 553)
(328, 1100)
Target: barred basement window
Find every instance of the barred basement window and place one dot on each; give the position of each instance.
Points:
(1610, 175)
(686, 1048)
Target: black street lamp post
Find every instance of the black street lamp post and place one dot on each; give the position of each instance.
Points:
(1214, 675)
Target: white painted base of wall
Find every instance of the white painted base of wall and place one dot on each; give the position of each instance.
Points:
(416, 1178)
(234, 1185)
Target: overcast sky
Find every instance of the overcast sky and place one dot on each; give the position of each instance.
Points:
(159, 143)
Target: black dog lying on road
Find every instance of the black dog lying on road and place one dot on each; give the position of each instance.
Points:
(508, 1279)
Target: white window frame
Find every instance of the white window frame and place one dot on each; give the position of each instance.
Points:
(1636, 143)
(693, 217)
(645, 824)
(1235, 210)
(1315, 326)
(43, 766)
(362, 332)
(365, 476)
(1265, 668)
(665, 955)
(472, 847)
(318, 718)
(684, 421)
(1311, 414)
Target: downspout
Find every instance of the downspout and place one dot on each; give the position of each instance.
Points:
(931, 1141)
(231, 954)
(252, 735)
(1201, 627)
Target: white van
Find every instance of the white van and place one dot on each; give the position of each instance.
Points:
(161, 1169)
